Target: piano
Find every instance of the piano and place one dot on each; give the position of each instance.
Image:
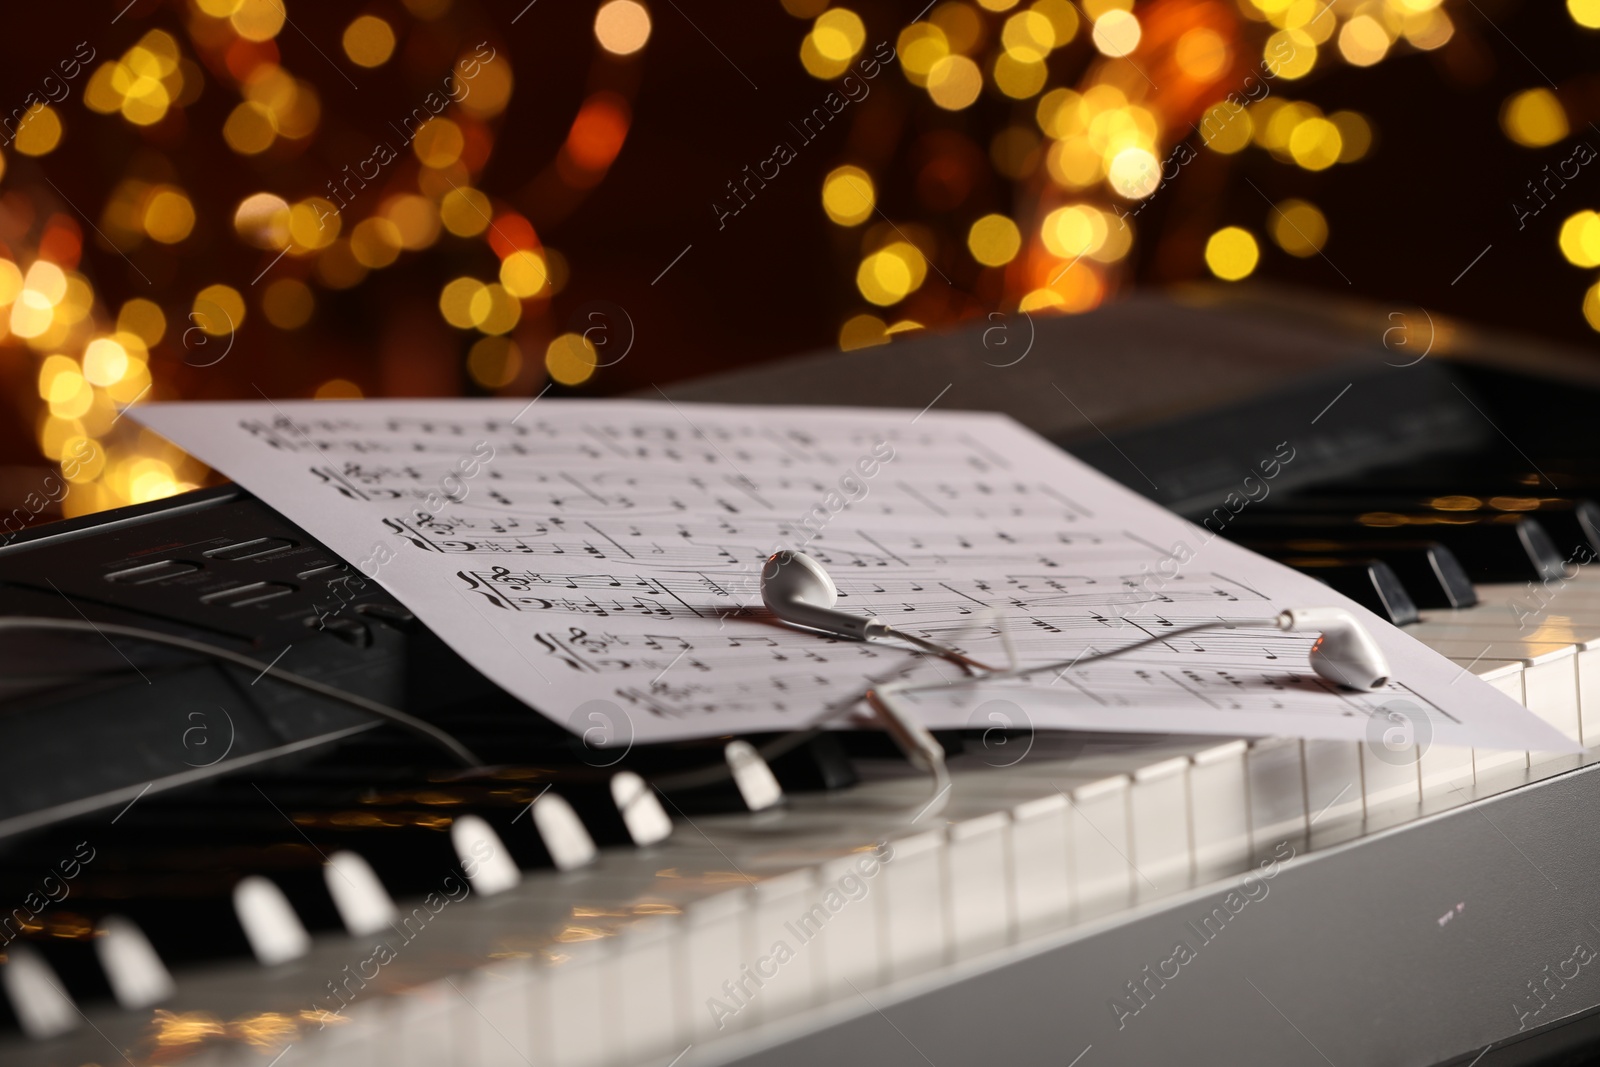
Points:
(203, 865)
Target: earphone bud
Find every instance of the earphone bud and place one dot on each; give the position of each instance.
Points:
(798, 589)
(1344, 653)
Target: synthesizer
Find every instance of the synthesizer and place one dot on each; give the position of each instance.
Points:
(202, 864)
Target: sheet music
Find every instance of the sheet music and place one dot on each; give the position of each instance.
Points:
(590, 554)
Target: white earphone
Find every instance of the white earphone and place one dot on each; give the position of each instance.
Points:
(798, 590)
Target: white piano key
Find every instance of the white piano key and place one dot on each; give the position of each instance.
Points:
(712, 947)
(1158, 803)
(1589, 693)
(363, 903)
(1277, 794)
(38, 998)
(788, 912)
(913, 885)
(1040, 863)
(1102, 876)
(1219, 807)
(648, 1023)
(1386, 783)
(850, 948)
(1444, 769)
(642, 813)
(754, 779)
(580, 1006)
(1551, 691)
(977, 874)
(1332, 782)
(483, 856)
(137, 976)
(496, 1022)
(270, 924)
(563, 833)
(423, 1021)
(1505, 676)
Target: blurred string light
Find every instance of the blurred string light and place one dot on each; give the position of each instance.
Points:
(93, 360)
(1111, 99)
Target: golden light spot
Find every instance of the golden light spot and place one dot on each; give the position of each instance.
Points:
(622, 26)
(570, 359)
(838, 34)
(1134, 173)
(1232, 253)
(1580, 239)
(262, 220)
(258, 20)
(48, 280)
(494, 311)
(494, 362)
(54, 368)
(891, 274)
(1591, 306)
(375, 242)
(1224, 129)
(997, 5)
(1290, 54)
(818, 65)
(1019, 78)
(1585, 13)
(1201, 53)
(862, 331)
(168, 216)
(491, 89)
(337, 389)
(10, 281)
(1073, 231)
(368, 41)
(954, 82)
(1029, 36)
(1355, 132)
(288, 303)
(104, 361)
(1363, 41)
(1117, 33)
(145, 99)
(415, 217)
(31, 314)
(438, 143)
(218, 9)
(313, 223)
(1118, 242)
(99, 95)
(1095, 8)
(994, 240)
(961, 24)
(920, 46)
(1074, 163)
(218, 310)
(250, 129)
(1063, 18)
(455, 301)
(524, 273)
(71, 396)
(1315, 144)
(1298, 228)
(143, 319)
(1430, 30)
(848, 195)
(1060, 113)
(39, 131)
(1534, 118)
(464, 211)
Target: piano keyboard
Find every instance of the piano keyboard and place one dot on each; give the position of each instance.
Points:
(739, 928)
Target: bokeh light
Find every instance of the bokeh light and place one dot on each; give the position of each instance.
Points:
(1232, 253)
(622, 26)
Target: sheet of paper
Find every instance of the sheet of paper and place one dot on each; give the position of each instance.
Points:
(601, 559)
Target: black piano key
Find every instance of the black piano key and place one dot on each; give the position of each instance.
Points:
(1373, 584)
(1430, 572)
(1492, 548)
